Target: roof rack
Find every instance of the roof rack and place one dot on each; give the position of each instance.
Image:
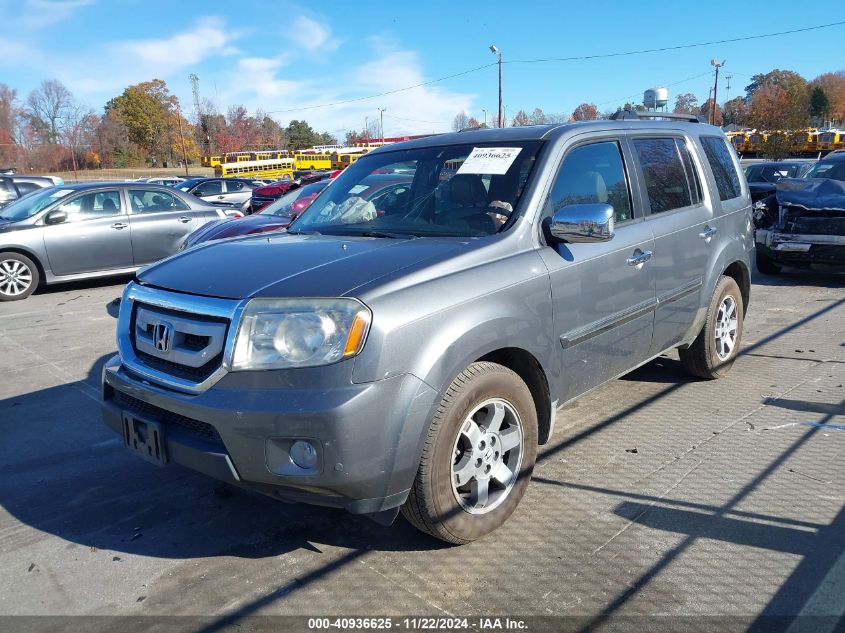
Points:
(634, 115)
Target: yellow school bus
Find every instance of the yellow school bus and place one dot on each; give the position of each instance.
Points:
(274, 169)
(307, 160)
(210, 161)
(831, 139)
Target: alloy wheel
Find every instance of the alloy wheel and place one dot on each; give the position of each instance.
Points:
(15, 277)
(726, 328)
(487, 456)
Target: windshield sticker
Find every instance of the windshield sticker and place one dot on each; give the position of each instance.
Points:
(61, 193)
(489, 160)
(358, 189)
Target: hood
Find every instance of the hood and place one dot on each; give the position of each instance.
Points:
(284, 265)
(233, 227)
(812, 194)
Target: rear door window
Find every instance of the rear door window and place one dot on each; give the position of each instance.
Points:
(236, 185)
(718, 155)
(671, 182)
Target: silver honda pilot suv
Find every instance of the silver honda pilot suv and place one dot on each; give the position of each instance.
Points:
(407, 344)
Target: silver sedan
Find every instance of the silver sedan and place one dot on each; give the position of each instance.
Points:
(89, 230)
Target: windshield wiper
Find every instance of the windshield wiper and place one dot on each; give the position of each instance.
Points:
(289, 232)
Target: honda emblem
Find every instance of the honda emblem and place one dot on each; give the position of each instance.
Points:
(163, 336)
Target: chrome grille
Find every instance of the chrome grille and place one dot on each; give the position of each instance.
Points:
(185, 345)
(176, 340)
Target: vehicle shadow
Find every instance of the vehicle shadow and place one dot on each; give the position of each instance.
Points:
(63, 472)
(664, 369)
(820, 278)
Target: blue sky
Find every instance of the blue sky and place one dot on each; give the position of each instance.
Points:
(279, 56)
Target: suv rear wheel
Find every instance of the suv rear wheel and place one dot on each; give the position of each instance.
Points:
(18, 276)
(478, 456)
(714, 350)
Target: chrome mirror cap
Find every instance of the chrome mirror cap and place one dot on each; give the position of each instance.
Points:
(583, 223)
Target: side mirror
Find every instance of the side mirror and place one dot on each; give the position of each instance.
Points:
(583, 223)
(56, 216)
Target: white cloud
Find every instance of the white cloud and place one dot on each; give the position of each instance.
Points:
(421, 109)
(182, 49)
(39, 14)
(118, 64)
(311, 35)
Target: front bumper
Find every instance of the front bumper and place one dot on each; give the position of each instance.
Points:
(369, 435)
(792, 248)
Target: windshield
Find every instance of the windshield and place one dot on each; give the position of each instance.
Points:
(772, 173)
(32, 203)
(833, 169)
(456, 190)
(296, 201)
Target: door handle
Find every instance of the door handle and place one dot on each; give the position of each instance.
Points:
(708, 232)
(119, 225)
(184, 219)
(639, 258)
(219, 197)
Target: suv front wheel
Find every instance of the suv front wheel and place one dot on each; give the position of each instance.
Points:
(714, 350)
(478, 456)
(18, 276)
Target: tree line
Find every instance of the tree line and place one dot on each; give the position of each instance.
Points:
(51, 130)
(777, 100)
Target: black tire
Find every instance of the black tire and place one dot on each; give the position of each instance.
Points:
(702, 358)
(433, 506)
(15, 269)
(766, 264)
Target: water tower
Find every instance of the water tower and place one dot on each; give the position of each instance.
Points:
(656, 98)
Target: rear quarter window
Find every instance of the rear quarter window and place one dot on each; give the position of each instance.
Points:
(718, 155)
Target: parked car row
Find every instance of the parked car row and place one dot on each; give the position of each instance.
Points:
(88, 230)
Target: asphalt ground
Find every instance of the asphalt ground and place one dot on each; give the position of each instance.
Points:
(660, 499)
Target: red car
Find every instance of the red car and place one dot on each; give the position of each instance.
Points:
(262, 196)
(273, 217)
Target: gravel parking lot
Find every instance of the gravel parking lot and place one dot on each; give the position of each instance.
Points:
(657, 495)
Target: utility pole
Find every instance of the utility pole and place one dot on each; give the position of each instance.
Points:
(485, 116)
(381, 123)
(497, 52)
(717, 65)
(367, 130)
(728, 87)
(182, 136)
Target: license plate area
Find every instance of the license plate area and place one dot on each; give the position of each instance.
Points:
(145, 438)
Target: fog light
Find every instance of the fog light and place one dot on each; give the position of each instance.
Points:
(303, 454)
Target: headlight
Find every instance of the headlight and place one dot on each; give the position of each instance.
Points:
(285, 333)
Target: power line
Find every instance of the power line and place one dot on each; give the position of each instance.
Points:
(672, 48)
(674, 83)
(561, 59)
(383, 94)
(402, 118)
